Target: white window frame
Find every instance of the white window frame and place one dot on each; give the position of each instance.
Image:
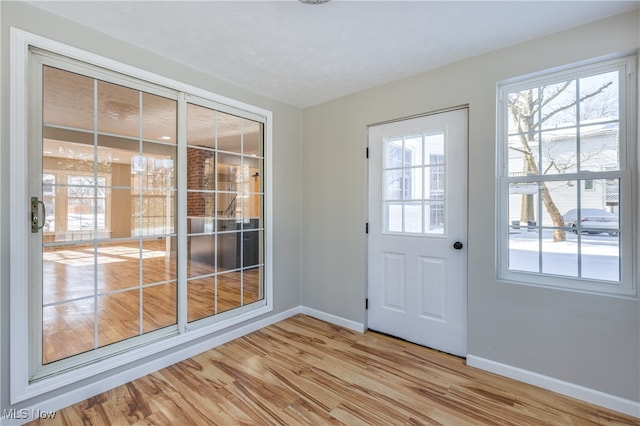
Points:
(629, 244)
(23, 383)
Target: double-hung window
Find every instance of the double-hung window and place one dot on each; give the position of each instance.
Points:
(566, 153)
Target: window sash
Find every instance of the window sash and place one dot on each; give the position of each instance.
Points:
(627, 106)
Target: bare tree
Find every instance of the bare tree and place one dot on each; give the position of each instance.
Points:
(529, 113)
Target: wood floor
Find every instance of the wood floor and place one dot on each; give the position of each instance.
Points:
(303, 371)
(93, 298)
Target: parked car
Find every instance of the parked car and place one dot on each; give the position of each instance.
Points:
(592, 221)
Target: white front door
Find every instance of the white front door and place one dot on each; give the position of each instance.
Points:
(417, 273)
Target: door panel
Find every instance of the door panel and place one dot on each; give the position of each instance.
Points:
(417, 212)
(394, 281)
(107, 243)
(433, 276)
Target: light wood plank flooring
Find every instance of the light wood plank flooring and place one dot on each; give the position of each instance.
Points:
(303, 371)
(82, 286)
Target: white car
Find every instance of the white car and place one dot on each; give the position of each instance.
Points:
(592, 221)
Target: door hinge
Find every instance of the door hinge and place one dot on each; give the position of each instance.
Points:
(366, 304)
(366, 228)
(367, 153)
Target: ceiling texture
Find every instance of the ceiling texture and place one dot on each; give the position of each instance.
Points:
(306, 54)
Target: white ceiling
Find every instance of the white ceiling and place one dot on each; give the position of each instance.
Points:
(308, 54)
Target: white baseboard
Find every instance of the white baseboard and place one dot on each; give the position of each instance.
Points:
(592, 396)
(333, 319)
(80, 394)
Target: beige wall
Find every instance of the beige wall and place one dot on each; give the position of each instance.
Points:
(593, 341)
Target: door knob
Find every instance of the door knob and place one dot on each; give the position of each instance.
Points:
(457, 245)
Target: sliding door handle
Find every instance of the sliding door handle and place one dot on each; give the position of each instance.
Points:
(35, 222)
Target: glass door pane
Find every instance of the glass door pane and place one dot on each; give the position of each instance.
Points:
(109, 238)
(225, 218)
(413, 179)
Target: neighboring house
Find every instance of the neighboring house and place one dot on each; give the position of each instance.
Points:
(598, 145)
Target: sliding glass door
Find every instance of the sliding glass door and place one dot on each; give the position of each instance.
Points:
(147, 214)
(224, 211)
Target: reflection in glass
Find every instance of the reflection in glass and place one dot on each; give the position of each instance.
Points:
(201, 212)
(253, 216)
(159, 260)
(49, 194)
(156, 166)
(229, 293)
(82, 214)
(201, 259)
(201, 130)
(159, 118)
(250, 171)
(119, 213)
(159, 306)
(67, 330)
(118, 316)
(77, 157)
(153, 213)
(229, 172)
(118, 265)
(252, 243)
(114, 188)
(67, 272)
(252, 138)
(229, 211)
(200, 298)
(229, 131)
(118, 110)
(228, 254)
(251, 290)
(105, 187)
(201, 172)
(67, 99)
